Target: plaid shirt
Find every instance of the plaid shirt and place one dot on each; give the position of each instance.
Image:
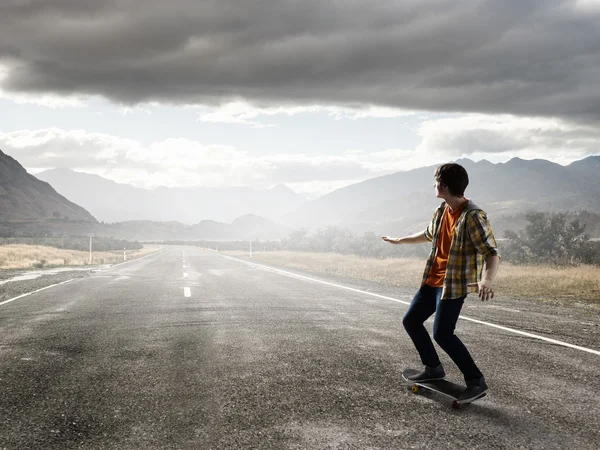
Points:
(473, 241)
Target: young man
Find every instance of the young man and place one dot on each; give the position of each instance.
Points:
(462, 240)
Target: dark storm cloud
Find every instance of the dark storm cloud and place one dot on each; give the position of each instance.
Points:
(536, 57)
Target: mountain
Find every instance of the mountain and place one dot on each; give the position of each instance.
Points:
(25, 198)
(589, 165)
(114, 202)
(29, 204)
(244, 228)
(399, 203)
(403, 202)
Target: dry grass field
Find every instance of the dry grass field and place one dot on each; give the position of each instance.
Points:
(545, 283)
(38, 256)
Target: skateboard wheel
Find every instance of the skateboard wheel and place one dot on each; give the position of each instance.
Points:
(415, 388)
(455, 405)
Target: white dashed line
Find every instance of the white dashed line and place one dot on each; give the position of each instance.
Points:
(185, 275)
(187, 292)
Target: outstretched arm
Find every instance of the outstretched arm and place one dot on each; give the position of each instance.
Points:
(417, 238)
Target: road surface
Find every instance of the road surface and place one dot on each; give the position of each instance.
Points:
(193, 349)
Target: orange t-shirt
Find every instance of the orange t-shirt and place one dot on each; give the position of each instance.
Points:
(438, 269)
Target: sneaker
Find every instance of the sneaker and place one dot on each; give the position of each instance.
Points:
(475, 389)
(429, 374)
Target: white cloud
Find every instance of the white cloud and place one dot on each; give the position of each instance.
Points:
(501, 137)
(236, 113)
(243, 113)
(145, 108)
(369, 111)
(54, 147)
(184, 162)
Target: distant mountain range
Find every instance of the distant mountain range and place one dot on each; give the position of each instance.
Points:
(25, 198)
(244, 228)
(27, 203)
(403, 202)
(109, 201)
(394, 204)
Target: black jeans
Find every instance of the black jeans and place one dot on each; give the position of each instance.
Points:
(427, 301)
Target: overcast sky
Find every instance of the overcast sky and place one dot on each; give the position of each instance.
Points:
(316, 94)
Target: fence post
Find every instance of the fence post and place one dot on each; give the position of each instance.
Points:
(91, 235)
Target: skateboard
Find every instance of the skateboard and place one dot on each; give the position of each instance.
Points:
(444, 387)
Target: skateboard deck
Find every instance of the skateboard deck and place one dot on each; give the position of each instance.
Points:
(443, 387)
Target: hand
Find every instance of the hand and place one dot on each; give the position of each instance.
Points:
(484, 289)
(391, 240)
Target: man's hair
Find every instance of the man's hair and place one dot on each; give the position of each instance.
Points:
(454, 177)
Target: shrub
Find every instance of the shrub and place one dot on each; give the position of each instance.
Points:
(550, 238)
(40, 264)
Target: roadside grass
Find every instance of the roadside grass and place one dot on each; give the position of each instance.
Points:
(539, 282)
(38, 256)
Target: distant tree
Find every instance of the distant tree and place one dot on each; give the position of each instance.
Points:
(344, 242)
(323, 239)
(549, 238)
(294, 240)
(369, 245)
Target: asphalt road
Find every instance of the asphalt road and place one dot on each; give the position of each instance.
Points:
(224, 354)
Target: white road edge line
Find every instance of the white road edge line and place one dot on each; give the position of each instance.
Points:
(187, 292)
(33, 292)
(481, 322)
(132, 260)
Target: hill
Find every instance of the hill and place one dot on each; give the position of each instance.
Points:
(115, 202)
(245, 228)
(23, 197)
(403, 202)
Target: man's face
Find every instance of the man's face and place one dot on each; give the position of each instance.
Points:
(439, 188)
